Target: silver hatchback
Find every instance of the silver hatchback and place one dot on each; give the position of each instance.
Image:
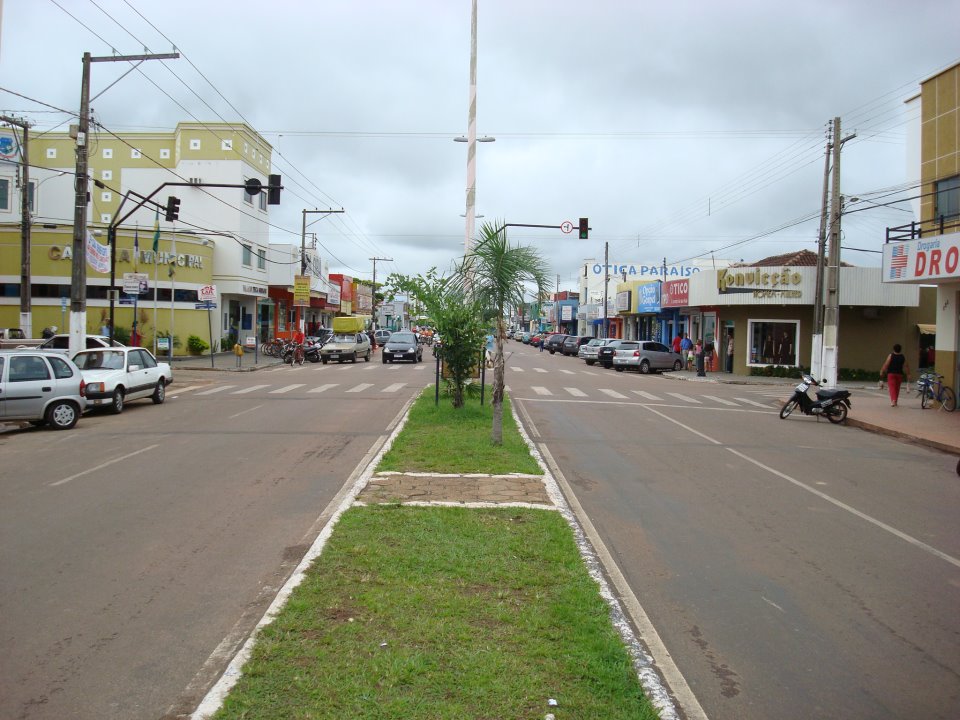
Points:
(43, 387)
(645, 356)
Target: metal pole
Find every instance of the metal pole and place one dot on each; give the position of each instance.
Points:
(112, 243)
(831, 319)
(606, 282)
(26, 310)
(816, 354)
(472, 134)
(78, 276)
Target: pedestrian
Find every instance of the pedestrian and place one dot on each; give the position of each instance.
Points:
(105, 328)
(677, 342)
(730, 352)
(686, 350)
(698, 355)
(540, 338)
(896, 370)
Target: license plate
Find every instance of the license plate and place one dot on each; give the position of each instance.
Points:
(802, 387)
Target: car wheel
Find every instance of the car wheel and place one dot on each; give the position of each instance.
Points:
(589, 362)
(324, 360)
(160, 393)
(116, 402)
(678, 365)
(62, 415)
(645, 367)
(383, 359)
(367, 358)
(618, 368)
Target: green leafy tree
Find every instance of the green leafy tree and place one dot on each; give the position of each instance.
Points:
(457, 317)
(496, 274)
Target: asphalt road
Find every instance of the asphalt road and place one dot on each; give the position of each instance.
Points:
(792, 569)
(138, 551)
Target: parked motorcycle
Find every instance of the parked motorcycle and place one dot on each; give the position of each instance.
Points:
(832, 403)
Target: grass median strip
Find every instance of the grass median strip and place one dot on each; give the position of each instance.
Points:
(443, 612)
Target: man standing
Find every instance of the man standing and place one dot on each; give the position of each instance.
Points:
(686, 346)
(677, 342)
(730, 351)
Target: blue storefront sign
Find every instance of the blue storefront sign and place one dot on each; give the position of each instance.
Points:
(648, 298)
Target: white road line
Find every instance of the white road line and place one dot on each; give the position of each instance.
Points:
(588, 372)
(188, 388)
(613, 394)
(361, 387)
(568, 372)
(517, 369)
(722, 401)
(648, 396)
(575, 392)
(249, 389)
(540, 370)
(685, 398)
(286, 388)
(748, 401)
(244, 412)
(103, 465)
(540, 390)
(420, 367)
(394, 387)
(371, 367)
(323, 388)
(211, 391)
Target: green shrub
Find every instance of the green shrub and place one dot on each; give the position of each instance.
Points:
(196, 345)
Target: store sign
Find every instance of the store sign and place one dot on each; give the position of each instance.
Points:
(301, 290)
(737, 280)
(930, 258)
(125, 255)
(566, 313)
(135, 283)
(648, 298)
(670, 271)
(254, 290)
(622, 301)
(676, 293)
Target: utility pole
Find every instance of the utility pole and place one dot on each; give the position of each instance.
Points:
(303, 250)
(78, 275)
(374, 312)
(831, 312)
(606, 283)
(26, 313)
(816, 352)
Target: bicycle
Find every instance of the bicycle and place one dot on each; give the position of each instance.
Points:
(932, 390)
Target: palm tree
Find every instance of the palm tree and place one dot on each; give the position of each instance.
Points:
(496, 274)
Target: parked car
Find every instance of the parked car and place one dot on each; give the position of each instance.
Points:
(518, 335)
(346, 346)
(645, 356)
(588, 352)
(61, 343)
(525, 338)
(115, 376)
(382, 336)
(573, 343)
(42, 387)
(402, 345)
(554, 343)
(16, 338)
(606, 352)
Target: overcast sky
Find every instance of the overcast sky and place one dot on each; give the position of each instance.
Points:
(679, 128)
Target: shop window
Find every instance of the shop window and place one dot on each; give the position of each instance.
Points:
(247, 256)
(773, 342)
(948, 198)
(262, 259)
(4, 194)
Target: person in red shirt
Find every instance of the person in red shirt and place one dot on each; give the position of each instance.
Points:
(298, 336)
(676, 343)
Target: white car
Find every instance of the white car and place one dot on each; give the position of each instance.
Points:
(42, 387)
(116, 375)
(61, 343)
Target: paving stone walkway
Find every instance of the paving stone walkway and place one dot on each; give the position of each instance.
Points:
(393, 487)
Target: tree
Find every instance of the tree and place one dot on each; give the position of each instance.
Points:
(455, 316)
(496, 274)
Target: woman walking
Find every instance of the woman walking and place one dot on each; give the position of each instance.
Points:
(896, 370)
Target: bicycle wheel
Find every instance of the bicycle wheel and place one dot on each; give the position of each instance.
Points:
(926, 397)
(948, 399)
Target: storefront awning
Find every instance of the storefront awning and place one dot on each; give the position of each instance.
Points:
(927, 329)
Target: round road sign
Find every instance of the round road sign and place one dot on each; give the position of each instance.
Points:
(566, 226)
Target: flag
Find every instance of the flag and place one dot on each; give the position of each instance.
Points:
(173, 255)
(899, 255)
(156, 234)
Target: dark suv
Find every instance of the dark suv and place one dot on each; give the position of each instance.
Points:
(607, 352)
(571, 346)
(555, 342)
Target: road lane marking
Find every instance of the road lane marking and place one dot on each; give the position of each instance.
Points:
(361, 387)
(323, 388)
(518, 369)
(188, 388)
(286, 389)
(820, 494)
(575, 392)
(613, 394)
(394, 387)
(103, 465)
(648, 396)
(540, 390)
(244, 412)
(722, 401)
(685, 398)
(211, 391)
(540, 370)
(249, 389)
(568, 372)
(748, 401)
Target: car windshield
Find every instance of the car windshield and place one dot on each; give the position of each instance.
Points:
(402, 337)
(344, 338)
(97, 360)
(595, 343)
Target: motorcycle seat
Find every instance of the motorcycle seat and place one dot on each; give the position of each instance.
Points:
(832, 392)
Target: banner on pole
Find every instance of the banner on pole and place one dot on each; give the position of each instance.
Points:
(301, 290)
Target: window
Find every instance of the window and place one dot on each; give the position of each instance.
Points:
(4, 194)
(164, 153)
(105, 218)
(60, 368)
(262, 259)
(107, 153)
(195, 144)
(135, 154)
(226, 144)
(246, 197)
(106, 175)
(27, 368)
(247, 255)
(948, 198)
(31, 196)
(773, 342)
(263, 201)
(51, 153)
(106, 196)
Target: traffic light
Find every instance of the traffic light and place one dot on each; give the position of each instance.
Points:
(273, 190)
(173, 208)
(584, 228)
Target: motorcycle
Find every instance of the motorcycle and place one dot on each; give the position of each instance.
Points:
(832, 403)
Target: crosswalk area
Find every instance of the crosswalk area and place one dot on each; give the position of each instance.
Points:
(764, 400)
(286, 389)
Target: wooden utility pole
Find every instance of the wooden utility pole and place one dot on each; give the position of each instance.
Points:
(816, 353)
(373, 313)
(26, 309)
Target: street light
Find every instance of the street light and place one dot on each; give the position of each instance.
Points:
(470, 214)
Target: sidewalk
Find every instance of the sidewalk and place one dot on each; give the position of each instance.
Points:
(221, 361)
(933, 428)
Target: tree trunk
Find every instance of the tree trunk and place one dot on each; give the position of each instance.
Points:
(496, 434)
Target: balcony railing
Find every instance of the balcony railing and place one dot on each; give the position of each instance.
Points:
(917, 230)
